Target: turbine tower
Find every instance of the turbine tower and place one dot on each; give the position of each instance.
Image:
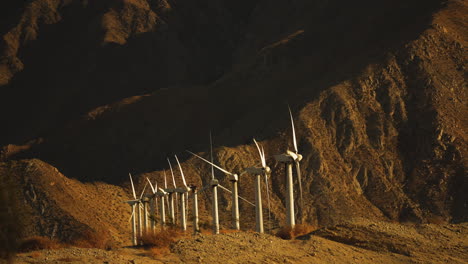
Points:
(157, 193)
(196, 226)
(171, 194)
(258, 172)
(233, 178)
(133, 203)
(288, 159)
(136, 228)
(183, 197)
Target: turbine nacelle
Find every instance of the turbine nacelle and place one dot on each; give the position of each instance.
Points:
(169, 190)
(132, 202)
(161, 192)
(258, 170)
(233, 177)
(214, 182)
(295, 156)
(182, 189)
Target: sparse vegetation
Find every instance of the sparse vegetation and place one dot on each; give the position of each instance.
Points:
(38, 243)
(94, 239)
(158, 243)
(298, 230)
(161, 239)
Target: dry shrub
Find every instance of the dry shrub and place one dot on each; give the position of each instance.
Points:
(298, 230)
(302, 229)
(206, 232)
(285, 233)
(94, 239)
(161, 239)
(159, 242)
(38, 243)
(36, 254)
(436, 219)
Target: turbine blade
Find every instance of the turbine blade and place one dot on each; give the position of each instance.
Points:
(259, 152)
(143, 192)
(216, 166)
(244, 172)
(133, 186)
(268, 198)
(172, 172)
(263, 158)
(131, 216)
(165, 179)
(293, 131)
(299, 180)
(240, 197)
(181, 171)
(151, 185)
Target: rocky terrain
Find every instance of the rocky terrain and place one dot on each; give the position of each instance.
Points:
(91, 90)
(360, 241)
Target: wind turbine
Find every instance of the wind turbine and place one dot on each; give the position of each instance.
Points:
(157, 192)
(171, 194)
(133, 203)
(183, 198)
(289, 158)
(258, 172)
(235, 194)
(196, 226)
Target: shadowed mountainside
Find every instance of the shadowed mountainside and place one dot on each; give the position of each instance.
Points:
(378, 91)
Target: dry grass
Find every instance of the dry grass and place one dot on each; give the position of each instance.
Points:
(206, 232)
(161, 239)
(158, 243)
(94, 239)
(38, 243)
(36, 254)
(298, 230)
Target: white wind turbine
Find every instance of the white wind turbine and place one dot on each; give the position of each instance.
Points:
(133, 204)
(183, 197)
(158, 193)
(289, 158)
(171, 194)
(194, 191)
(258, 172)
(234, 192)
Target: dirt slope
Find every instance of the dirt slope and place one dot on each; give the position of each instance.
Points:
(381, 242)
(49, 204)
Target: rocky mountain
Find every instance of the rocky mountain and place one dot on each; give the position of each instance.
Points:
(98, 89)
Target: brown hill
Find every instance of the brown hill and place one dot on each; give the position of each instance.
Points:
(49, 204)
(378, 90)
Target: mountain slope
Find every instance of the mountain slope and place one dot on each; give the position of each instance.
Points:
(377, 91)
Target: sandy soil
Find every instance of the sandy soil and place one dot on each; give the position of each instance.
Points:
(357, 241)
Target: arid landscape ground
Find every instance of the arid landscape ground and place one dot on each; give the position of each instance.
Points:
(92, 90)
